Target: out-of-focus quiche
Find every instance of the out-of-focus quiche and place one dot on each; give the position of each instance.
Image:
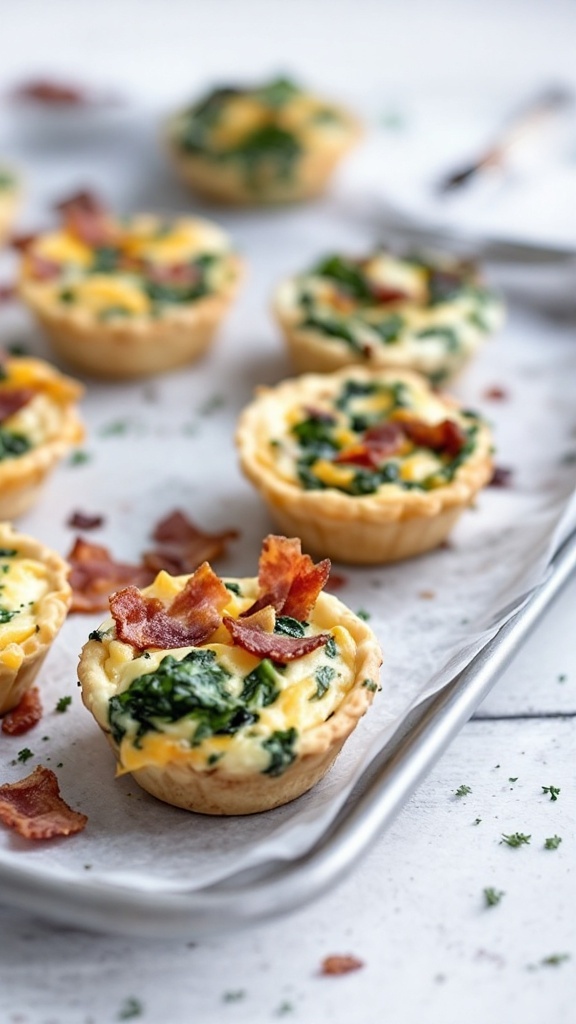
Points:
(34, 600)
(273, 143)
(39, 423)
(230, 696)
(385, 311)
(126, 297)
(364, 466)
(9, 201)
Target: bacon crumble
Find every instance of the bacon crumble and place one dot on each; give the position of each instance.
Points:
(14, 399)
(95, 574)
(338, 964)
(182, 546)
(272, 645)
(25, 715)
(86, 217)
(84, 521)
(34, 808)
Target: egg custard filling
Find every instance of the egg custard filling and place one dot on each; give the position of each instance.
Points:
(384, 310)
(139, 268)
(278, 674)
(34, 599)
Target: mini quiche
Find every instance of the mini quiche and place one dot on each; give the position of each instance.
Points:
(34, 601)
(122, 298)
(365, 466)
(274, 143)
(230, 696)
(9, 199)
(385, 311)
(39, 423)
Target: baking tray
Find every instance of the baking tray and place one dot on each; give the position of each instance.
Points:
(418, 742)
(124, 169)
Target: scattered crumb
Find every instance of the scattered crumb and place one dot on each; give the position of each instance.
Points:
(338, 964)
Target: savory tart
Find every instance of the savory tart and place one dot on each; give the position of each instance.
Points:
(39, 423)
(34, 600)
(9, 199)
(385, 311)
(127, 297)
(230, 696)
(364, 466)
(273, 143)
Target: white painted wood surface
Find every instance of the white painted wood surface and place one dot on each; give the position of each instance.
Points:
(413, 911)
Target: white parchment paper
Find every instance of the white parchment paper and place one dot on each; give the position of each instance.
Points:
(167, 443)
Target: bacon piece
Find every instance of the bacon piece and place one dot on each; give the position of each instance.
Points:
(192, 617)
(25, 715)
(385, 294)
(95, 575)
(183, 546)
(8, 292)
(22, 242)
(496, 393)
(446, 436)
(176, 274)
(34, 808)
(340, 964)
(52, 93)
(501, 477)
(84, 521)
(272, 645)
(86, 217)
(377, 444)
(14, 399)
(288, 580)
(42, 269)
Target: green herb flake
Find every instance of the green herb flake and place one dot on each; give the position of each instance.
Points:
(323, 676)
(552, 843)
(562, 677)
(477, 821)
(6, 615)
(63, 704)
(331, 648)
(96, 635)
(79, 458)
(462, 791)
(370, 685)
(555, 959)
(24, 755)
(115, 429)
(234, 588)
(513, 778)
(552, 790)
(131, 1008)
(516, 839)
(284, 1008)
(492, 896)
(363, 614)
(234, 995)
(285, 625)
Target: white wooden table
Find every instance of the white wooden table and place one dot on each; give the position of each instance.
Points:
(414, 911)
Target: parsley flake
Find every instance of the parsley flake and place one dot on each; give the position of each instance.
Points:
(463, 791)
(492, 896)
(24, 755)
(131, 1008)
(63, 704)
(363, 614)
(234, 996)
(552, 790)
(555, 959)
(515, 839)
(552, 842)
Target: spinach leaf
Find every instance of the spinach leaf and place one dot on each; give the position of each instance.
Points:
(288, 626)
(12, 445)
(346, 273)
(260, 686)
(280, 746)
(323, 676)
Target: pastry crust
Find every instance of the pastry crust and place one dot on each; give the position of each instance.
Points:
(388, 525)
(21, 660)
(183, 775)
(9, 203)
(327, 327)
(215, 168)
(151, 337)
(51, 422)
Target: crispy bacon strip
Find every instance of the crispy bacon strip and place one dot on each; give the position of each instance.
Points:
(22, 242)
(85, 521)
(95, 575)
(25, 715)
(86, 217)
(385, 294)
(34, 808)
(191, 618)
(272, 645)
(52, 93)
(377, 444)
(182, 546)
(288, 580)
(446, 436)
(40, 268)
(14, 399)
(338, 964)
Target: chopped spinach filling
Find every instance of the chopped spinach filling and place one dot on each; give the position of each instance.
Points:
(323, 676)
(280, 745)
(6, 615)
(261, 686)
(12, 445)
